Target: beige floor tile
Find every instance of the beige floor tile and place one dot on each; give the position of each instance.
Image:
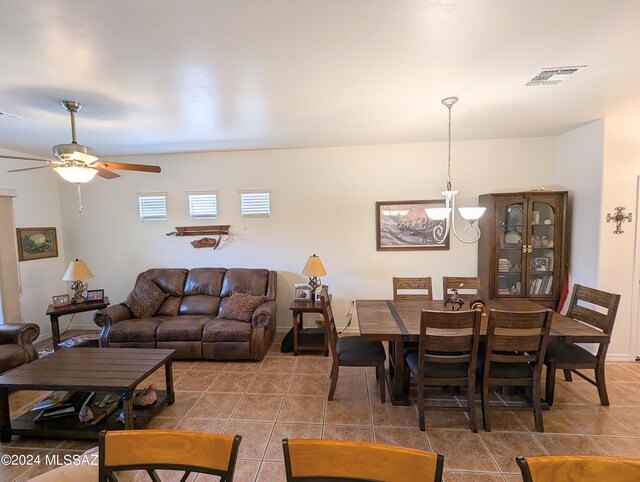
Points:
(273, 383)
(162, 423)
(447, 419)
(292, 431)
(231, 382)
(258, 407)
(571, 393)
(307, 384)
(462, 449)
(403, 437)
(505, 447)
(619, 446)
(196, 380)
(242, 366)
(622, 372)
(562, 444)
(302, 409)
(211, 425)
(391, 415)
(594, 420)
(352, 386)
(512, 478)
(277, 365)
(315, 365)
(361, 433)
(351, 371)
(350, 411)
(184, 401)
(373, 388)
(276, 351)
(255, 437)
(507, 420)
(246, 471)
(472, 477)
(272, 472)
(216, 405)
(553, 420)
(209, 365)
(630, 416)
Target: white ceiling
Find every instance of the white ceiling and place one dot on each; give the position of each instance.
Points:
(193, 75)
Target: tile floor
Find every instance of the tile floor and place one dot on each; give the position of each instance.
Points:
(285, 396)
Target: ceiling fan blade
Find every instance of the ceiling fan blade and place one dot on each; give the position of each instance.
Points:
(129, 167)
(20, 158)
(105, 173)
(28, 169)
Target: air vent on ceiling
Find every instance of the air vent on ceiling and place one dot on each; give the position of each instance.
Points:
(553, 75)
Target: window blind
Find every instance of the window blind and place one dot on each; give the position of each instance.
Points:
(153, 206)
(255, 204)
(203, 205)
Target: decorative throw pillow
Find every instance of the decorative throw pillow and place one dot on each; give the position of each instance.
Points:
(145, 298)
(240, 306)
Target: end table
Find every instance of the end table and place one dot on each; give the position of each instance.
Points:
(299, 308)
(56, 312)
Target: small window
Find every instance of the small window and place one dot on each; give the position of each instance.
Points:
(255, 204)
(153, 206)
(203, 204)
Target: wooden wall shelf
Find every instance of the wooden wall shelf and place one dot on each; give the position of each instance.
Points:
(220, 230)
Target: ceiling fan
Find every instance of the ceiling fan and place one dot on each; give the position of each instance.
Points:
(77, 163)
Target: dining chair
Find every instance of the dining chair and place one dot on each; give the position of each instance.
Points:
(351, 351)
(412, 289)
(341, 460)
(514, 355)
(597, 309)
(447, 357)
(583, 468)
(466, 285)
(175, 450)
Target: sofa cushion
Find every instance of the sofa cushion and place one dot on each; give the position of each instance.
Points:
(240, 306)
(170, 280)
(226, 330)
(169, 307)
(11, 355)
(251, 281)
(199, 305)
(135, 329)
(145, 298)
(204, 281)
(182, 328)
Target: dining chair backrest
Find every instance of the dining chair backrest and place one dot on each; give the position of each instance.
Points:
(331, 330)
(517, 337)
(412, 289)
(466, 285)
(340, 460)
(585, 468)
(449, 337)
(584, 307)
(152, 450)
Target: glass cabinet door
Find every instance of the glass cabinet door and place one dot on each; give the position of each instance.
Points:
(511, 247)
(542, 240)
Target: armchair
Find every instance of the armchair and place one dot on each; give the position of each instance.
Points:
(16, 344)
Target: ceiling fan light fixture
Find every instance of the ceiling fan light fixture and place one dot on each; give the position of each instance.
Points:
(76, 174)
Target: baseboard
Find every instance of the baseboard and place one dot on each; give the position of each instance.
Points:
(620, 357)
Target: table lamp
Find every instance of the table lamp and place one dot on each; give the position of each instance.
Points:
(76, 272)
(313, 269)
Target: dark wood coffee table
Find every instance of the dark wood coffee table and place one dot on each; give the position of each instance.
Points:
(117, 370)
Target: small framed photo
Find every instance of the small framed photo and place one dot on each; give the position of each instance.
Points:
(95, 295)
(302, 292)
(61, 300)
(541, 263)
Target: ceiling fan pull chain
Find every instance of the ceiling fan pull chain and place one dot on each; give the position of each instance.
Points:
(79, 198)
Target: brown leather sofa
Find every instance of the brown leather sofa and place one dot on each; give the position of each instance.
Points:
(188, 321)
(16, 344)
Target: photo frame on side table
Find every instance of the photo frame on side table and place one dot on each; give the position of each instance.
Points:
(405, 226)
(95, 295)
(301, 292)
(37, 243)
(61, 300)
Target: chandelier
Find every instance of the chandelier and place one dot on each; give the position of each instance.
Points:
(445, 217)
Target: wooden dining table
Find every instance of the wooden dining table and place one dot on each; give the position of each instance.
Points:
(398, 322)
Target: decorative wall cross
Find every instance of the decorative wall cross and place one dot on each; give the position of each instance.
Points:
(619, 218)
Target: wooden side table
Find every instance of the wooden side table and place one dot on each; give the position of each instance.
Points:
(56, 312)
(299, 308)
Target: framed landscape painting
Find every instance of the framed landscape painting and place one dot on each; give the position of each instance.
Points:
(37, 243)
(404, 225)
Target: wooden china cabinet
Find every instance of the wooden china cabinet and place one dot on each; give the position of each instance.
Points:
(523, 246)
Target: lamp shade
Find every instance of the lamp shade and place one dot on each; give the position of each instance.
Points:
(314, 267)
(77, 270)
(76, 174)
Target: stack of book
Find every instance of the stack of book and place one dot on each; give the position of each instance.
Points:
(61, 404)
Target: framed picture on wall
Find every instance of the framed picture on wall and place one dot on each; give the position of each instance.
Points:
(37, 243)
(405, 226)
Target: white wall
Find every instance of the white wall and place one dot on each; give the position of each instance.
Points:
(323, 202)
(37, 205)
